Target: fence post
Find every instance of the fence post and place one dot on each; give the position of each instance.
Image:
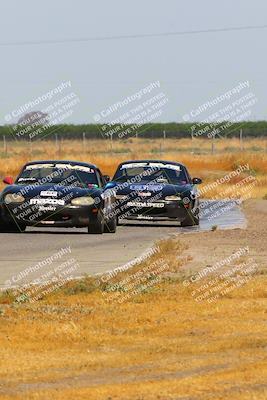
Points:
(111, 141)
(213, 145)
(57, 144)
(241, 139)
(30, 147)
(84, 139)
(4, 144)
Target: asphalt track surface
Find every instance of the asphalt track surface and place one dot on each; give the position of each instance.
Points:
(99, 253)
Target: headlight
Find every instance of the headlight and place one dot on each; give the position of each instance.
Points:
(14, 198)
(83, 201)
(173, 198)
(121, 196)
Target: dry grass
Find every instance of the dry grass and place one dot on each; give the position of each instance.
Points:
(195, 154)
(160, 344)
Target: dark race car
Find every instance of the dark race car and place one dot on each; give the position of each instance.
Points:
(57, 194)
(155, 190)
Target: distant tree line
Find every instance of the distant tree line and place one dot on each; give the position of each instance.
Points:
(155, 130)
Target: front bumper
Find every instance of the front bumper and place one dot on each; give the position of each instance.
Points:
(157, 211)
(59, 216)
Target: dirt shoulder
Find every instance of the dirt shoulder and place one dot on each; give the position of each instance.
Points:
(208, 248)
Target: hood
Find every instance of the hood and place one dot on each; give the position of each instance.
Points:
(51, 190)
(166, 189)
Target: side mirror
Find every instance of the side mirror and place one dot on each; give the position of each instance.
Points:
(106, 178)
(196, 181)
(8, 180)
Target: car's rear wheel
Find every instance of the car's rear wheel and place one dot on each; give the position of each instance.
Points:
(110, 225)
(96, 225)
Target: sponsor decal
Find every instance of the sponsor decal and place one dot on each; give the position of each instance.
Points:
(152, 188)
(144, 194)
(47, 208)
(174, 167)
(61, 166)
(39, 166)
(42, 202)
(152, 165)
(145, 205)
(134, 165)
(76, 167)
(148, 217)
(48, 193)
(26, 179)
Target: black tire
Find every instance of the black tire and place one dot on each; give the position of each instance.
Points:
(118, 223)
(12, 228)
(111, 225)
(190, 220)
(96, 226)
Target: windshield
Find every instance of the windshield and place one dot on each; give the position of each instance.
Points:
(63, 174)
(164, 173)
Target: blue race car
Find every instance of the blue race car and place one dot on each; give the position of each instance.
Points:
(155, 190)
(57, 194)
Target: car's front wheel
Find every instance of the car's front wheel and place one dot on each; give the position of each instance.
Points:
(12, 228)
(190, 220)
(96, 225)
(118, 222)
(111, 225)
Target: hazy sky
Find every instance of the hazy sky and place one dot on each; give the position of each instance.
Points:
(191, 69)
